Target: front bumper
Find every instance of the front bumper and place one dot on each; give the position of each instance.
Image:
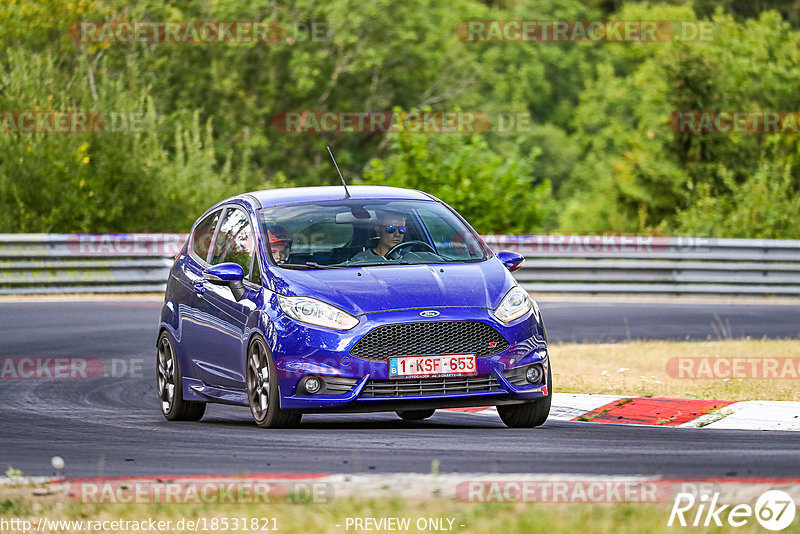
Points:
(307, 350)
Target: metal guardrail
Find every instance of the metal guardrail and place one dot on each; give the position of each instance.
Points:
(86, 263)
(655, 265)
(599, 264)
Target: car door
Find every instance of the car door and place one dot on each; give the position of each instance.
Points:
(193, 310)
(222, 360)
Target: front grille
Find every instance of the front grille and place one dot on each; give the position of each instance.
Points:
(430, 338)
(429, 386)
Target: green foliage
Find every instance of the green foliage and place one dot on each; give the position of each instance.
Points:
(154, 175)
(599, 157)
(636, 174)
(13, 472)
(493, 193)
(12, 507)
(765, 205)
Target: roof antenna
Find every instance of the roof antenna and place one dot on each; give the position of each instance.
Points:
(346, 192)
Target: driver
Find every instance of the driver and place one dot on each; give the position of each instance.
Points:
(280, 244)
(391, 230)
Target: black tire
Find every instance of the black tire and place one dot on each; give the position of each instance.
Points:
(169, 382)
(415, 415)
(262, 389)
(529, 414)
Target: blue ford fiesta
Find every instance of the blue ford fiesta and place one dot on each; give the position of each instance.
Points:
(322, 300)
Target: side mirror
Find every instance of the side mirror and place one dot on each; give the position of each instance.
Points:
(227, 274)
(511, 260)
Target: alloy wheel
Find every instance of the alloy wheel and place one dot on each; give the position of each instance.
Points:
(258, 379)
(166, 374)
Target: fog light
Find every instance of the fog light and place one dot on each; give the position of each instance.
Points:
(534, 374)
(312, 385)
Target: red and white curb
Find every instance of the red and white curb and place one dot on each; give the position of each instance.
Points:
(687, 413)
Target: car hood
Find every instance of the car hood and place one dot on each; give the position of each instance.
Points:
(392, 287)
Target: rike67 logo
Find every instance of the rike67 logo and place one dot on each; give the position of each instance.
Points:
(774, 510)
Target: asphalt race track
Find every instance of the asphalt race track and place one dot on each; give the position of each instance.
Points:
(112, 425)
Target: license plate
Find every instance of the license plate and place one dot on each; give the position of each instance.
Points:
(439, 365)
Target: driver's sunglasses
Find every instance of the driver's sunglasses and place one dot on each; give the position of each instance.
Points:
(390, 229)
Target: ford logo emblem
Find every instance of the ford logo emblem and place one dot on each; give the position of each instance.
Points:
(429, 313)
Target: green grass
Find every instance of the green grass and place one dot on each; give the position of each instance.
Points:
(324, 518)
(640, 368)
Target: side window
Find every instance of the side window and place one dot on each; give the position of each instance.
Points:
(204, 233)
(235, 242)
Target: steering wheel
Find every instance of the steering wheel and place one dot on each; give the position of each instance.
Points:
(394, 253)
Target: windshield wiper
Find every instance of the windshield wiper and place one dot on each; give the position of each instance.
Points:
(309, 266)
(297, 266)
(381, 263)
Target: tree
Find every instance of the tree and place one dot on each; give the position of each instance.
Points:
(494, 193)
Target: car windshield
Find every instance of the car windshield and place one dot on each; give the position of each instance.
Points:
(360, 233)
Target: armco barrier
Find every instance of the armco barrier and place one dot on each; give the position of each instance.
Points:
(86, 263)
(594, 264)
(655, 265)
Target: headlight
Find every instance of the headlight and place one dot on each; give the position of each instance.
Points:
(316, 312)
(515, 304)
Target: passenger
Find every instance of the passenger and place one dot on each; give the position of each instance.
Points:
(280, 244)
(390, 232)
